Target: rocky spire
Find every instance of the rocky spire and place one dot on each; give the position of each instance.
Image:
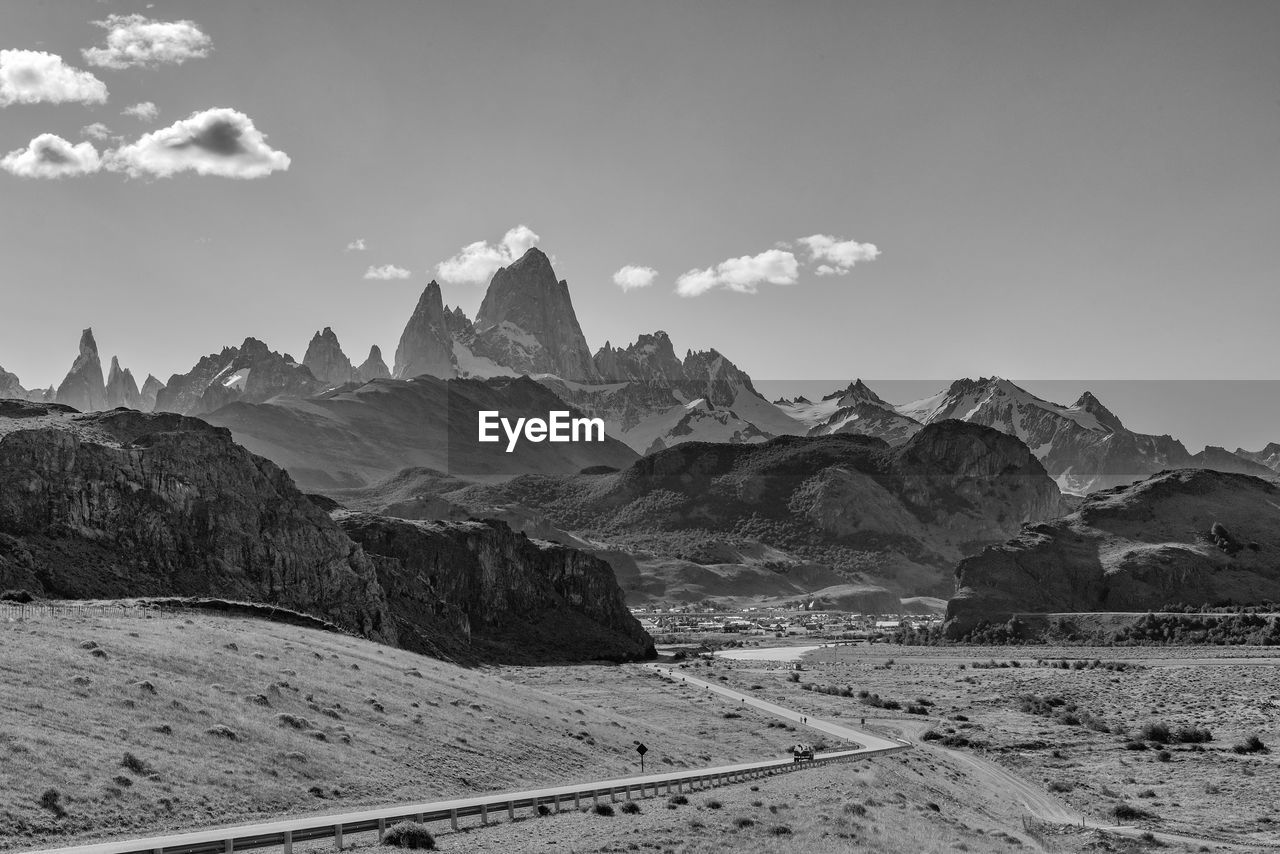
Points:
(426, 347)
(1094, 407)
(527, 321)
(326, 360)
(121, 389)
(373, 367)
(651, 358)
(151, 388)
(83, 387)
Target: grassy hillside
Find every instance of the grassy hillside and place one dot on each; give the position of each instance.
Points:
(113, 726)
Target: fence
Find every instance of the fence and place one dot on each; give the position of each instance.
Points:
(284, 834)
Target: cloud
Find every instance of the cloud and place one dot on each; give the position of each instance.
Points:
(36, 77)
(631, 277)
(744, 275)
(135, 40)
(97, 131)
(476, 263)
(838, 257)
(143, 111)
(386, 272)
(51, 156)
(219, 141)
(356, 245)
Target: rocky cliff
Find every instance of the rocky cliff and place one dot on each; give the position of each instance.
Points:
(426, 347)
(514, 598)
(83, 387)
(121, 503)
(151, 388)
(326, 361)
(125, 504)
(122, 389)
(527, 322)
(1191, 536)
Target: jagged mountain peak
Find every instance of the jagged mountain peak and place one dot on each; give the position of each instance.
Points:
(857, 391)
(426, 346)
(1090, 404)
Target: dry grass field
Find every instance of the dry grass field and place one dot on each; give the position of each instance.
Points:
(1093, 735)
(128, 726)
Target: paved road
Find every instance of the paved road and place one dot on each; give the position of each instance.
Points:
(867, 742)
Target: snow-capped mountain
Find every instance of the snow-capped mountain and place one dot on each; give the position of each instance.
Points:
(856, 409)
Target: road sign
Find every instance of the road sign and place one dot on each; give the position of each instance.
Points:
(642, 750)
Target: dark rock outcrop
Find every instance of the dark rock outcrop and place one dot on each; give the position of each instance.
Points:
(122, 389)
(527, 322)
(426, 347)
(512, 599)
(122, 503)
(83, 387)
(326, 361)
(1190, 537)
(252, 372)
(373, 368)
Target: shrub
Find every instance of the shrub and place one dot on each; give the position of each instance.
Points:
(20, 596)
(1157, 732)
(409, 834)
(134, 765)
(743, 822)
(1135, 745)
(1164, 756)
(51, 800)
(1060, 787)
(677, 800)
(544, 810)
(714, 804)
(1128, 812)
(1252, 744)
(603, 809)
(631, 808)
(780, 830)
(222, 731)
(293, 721)
(1192, 735)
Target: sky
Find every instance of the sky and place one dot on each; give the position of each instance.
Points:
(1075, 190)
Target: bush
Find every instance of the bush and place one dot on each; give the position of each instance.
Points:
(780, 830)
(743, 823)
(1135, 745)
(1192, 735)
(20, 596)
(1128, 812)
(603, 809)
(714, 804)
(409, 834)
(133, 764)
(631, 808)
(1252, 744)
(222, 731)
(1157, 732)
(1164, 756)
(677, 800)
(51, 800)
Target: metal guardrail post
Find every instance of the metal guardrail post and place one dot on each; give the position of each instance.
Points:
(337, 837)
(382, 830)
(511, 810)
(484, 813)
(288, 842)
(453, 818)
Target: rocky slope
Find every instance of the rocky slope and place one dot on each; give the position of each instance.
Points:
(252, 372)
(515, 599)
(831, 510)
(125, 504)
(1190, 536)
(426, 347)
(354, 437)
(83, 387)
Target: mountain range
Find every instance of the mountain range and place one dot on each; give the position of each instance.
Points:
(649, 397)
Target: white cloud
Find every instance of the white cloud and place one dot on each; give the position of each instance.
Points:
(838, 256)
(386, 272)
(744, 275)
(356, 245)
(135, 40)
(51, 156)
(631, 277)
(143, 111)
(35, 77)
(219, 141)
(97, 131)
(476, 263)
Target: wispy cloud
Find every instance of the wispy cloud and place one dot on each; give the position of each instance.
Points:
(836, 257)
(386, 272)
(744, 274)
(144, 111)
(36, 77)
(136, 40)
(97, 131)
(51, 156)
(357, 245)
(631, 277)
(477, 262)
(219, 141)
